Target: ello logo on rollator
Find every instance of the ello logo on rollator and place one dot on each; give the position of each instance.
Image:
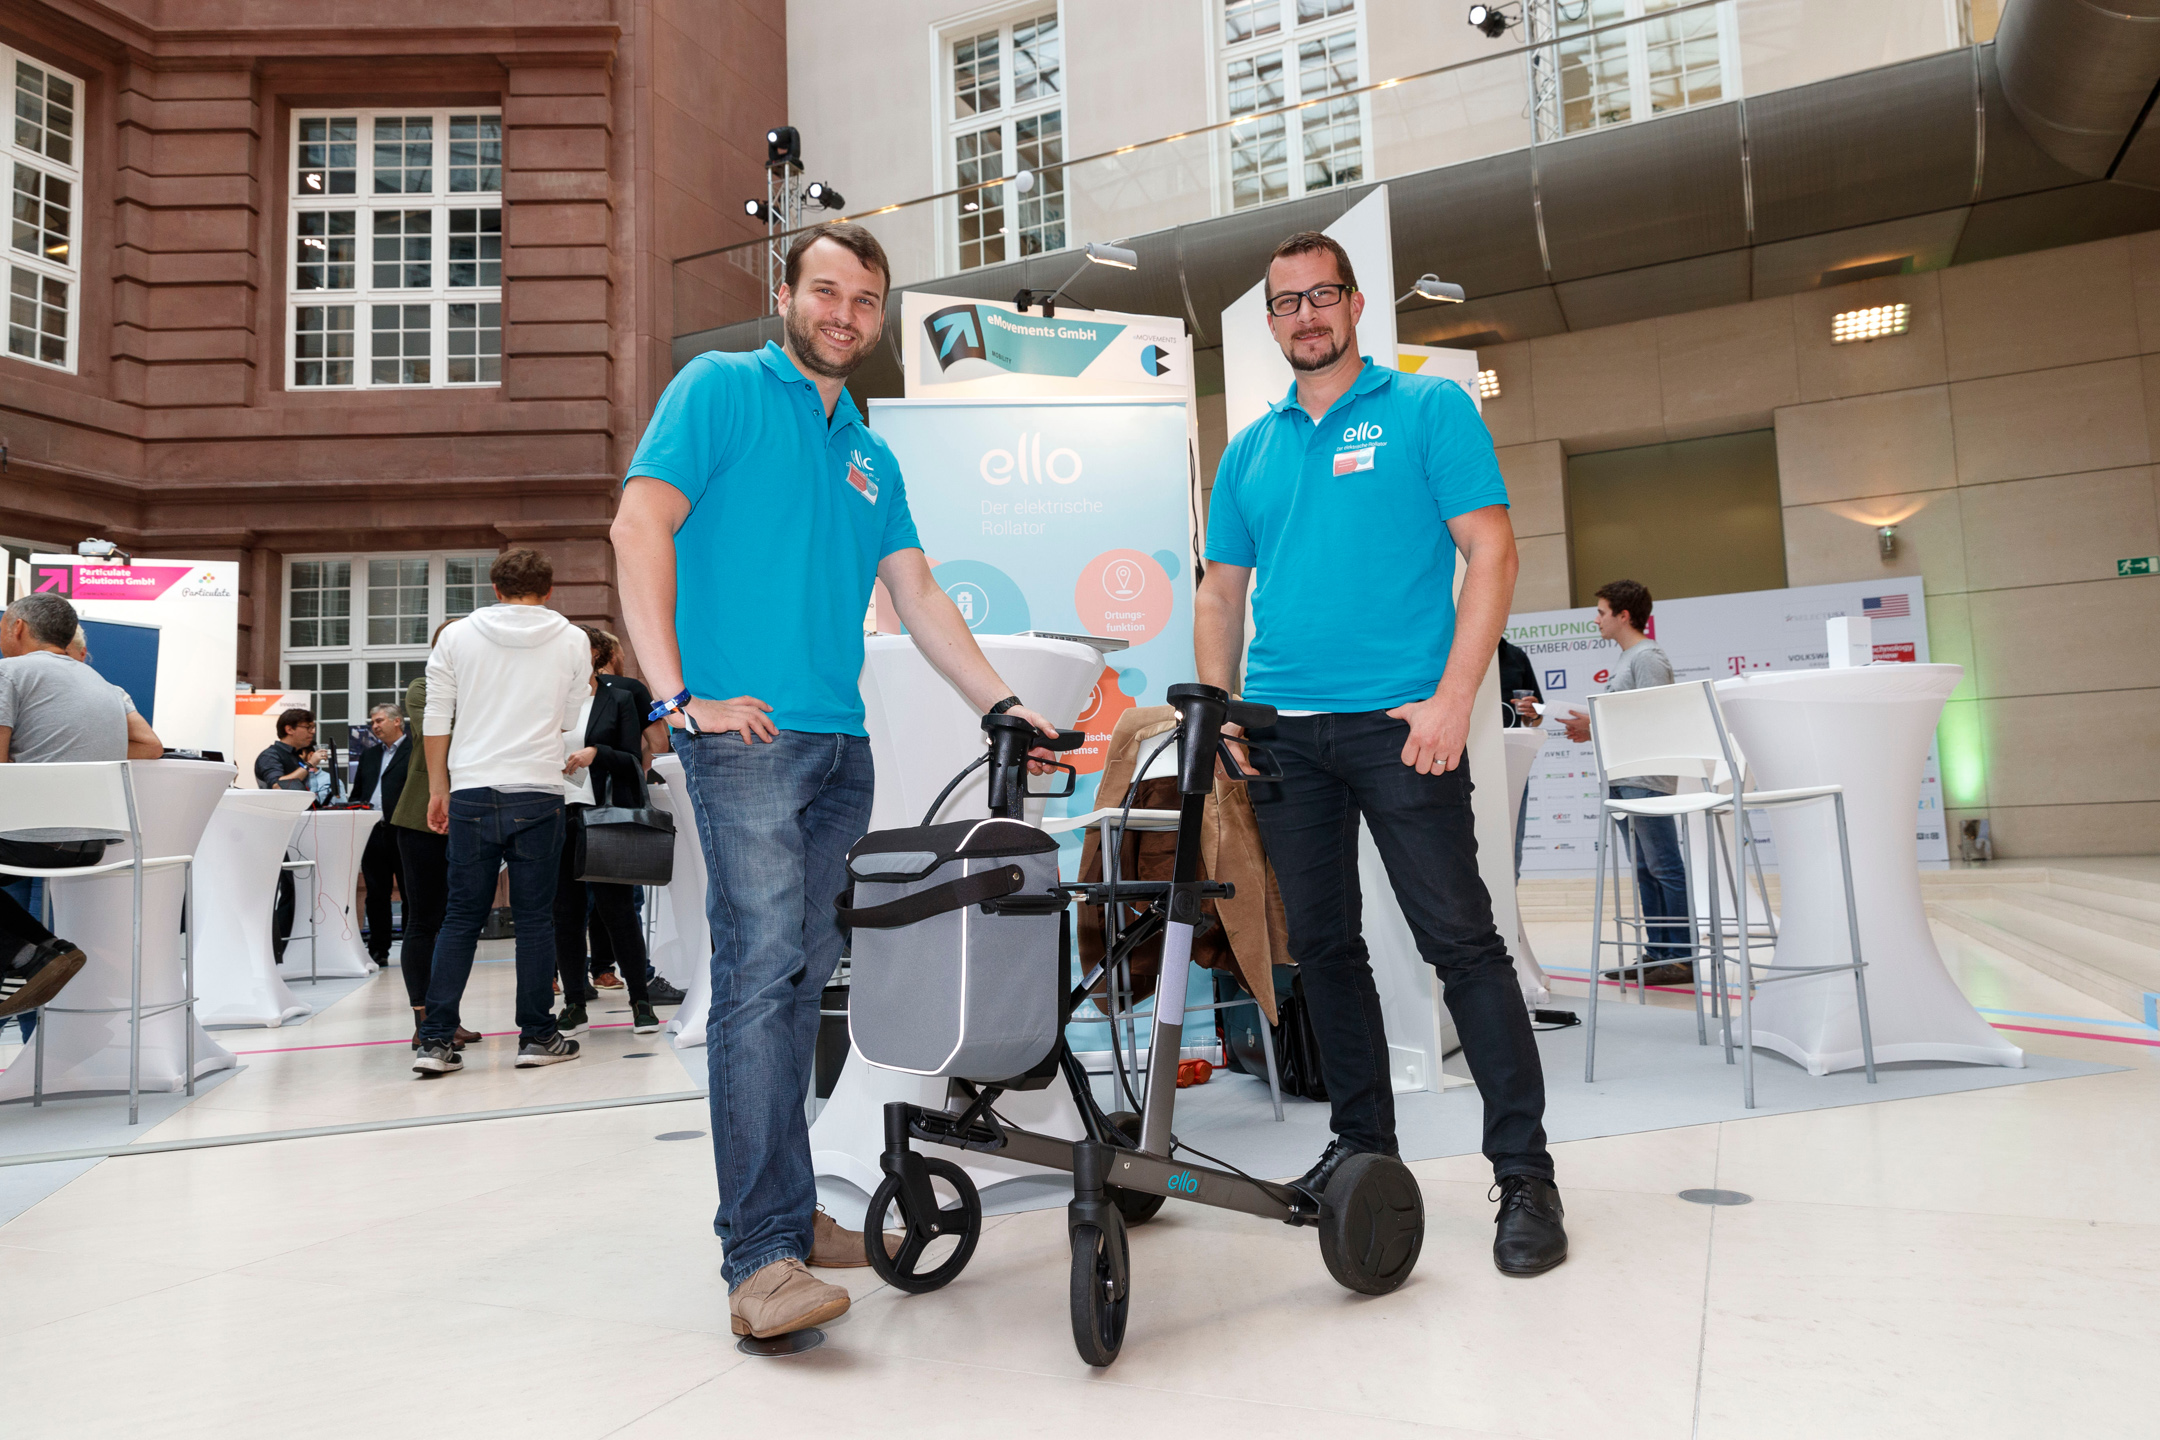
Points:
(1027, 463)
(1183, 1183)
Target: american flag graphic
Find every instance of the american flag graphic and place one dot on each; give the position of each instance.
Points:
(1886, 607)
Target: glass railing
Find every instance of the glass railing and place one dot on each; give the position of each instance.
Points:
(1589, 67)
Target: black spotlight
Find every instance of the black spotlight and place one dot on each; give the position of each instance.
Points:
(783, 146)
(756, 209)
(822, 195)
(1488, 19)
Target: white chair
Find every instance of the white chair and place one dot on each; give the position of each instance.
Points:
(1679, 730)
(100, 796)
(1111, 822)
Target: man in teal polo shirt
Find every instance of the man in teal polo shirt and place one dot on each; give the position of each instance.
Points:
(1349, 500)
(756, 514)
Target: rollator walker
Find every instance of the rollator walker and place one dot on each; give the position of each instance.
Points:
(962, 961)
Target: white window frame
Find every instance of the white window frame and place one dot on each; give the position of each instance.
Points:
(949, 128)
(1638, 61)
(357, 652)
(1285, 40)
(439, 201)
(68, 272)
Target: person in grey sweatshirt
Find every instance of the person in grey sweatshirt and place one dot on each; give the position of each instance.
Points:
(510, 676)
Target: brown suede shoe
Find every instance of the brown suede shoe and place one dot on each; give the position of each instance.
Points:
(781, 1298)
(833, 1247)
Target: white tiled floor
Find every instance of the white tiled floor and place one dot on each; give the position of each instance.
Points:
(1977, 1264)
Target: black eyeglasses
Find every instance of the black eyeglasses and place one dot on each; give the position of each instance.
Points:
(1321, 296)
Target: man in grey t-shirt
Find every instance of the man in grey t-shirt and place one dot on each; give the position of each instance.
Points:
(1660, 875)
(53, 710)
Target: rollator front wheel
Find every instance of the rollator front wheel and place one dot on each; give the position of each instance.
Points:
(1098, 1315)
(1372, 1224)
(933, 1248)
(1137, 1206)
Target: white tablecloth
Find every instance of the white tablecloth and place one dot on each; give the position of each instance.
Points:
(1868, 729)
(1522, 743)
(88, 1053)
(682, 941)
(334, 840)
(237, 979)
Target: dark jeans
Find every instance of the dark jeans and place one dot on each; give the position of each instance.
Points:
(424, 863)
(1336, 768)
(1660, 876)
(488, 830)
(379, 866)
(776, 820)
(612, 916)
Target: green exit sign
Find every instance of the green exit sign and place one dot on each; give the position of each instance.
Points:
(2137, 565)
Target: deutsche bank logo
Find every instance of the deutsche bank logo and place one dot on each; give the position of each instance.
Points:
(1556, 679)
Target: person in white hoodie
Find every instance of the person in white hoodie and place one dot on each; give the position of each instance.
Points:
(511, 676)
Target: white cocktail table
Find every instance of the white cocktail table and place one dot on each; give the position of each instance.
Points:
(1867, 729)
(237, 978)
(682, 940)
(1522, 744)
(334, 840)
(89, 1053)
(922, 731)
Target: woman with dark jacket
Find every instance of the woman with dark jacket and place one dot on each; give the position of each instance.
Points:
(603, 764)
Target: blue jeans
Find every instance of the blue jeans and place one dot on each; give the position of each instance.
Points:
(776, 820)
(489, 828)
(1335, 769)
(1660, 877)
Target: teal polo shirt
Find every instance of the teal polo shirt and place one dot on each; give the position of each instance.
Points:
(789, 516)
(1345, 525)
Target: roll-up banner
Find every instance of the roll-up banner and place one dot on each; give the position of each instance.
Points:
(1063, 515)
(165, 631)
(1705, 636)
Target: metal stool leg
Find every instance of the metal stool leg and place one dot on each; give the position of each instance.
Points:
(1712, 878)
(37, 1061)
(1744, 839)
(1695, 933)
(1852, 921)
(187, 966)
(1267, 1048)
(135, 999)
(1597, 938)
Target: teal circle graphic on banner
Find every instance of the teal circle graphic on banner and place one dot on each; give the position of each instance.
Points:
(1168, 561)
(1132, 680)
(985, 596)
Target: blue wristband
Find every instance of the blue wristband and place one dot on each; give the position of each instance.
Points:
(663, 708)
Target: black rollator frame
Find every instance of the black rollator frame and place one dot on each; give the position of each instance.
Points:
(1371, 1219)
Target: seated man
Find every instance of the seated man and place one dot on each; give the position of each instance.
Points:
(53, 710)
(291, 762)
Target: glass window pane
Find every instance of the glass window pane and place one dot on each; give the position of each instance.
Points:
(979, 162)
(44, 113)
(475, 154)
(1245, 19)
(1311, 10)
(475, 344)
(1037, 74)
(399, 345)
(324, 258)
(37, 317)
(323, 345)
(397, 601)
(405, 155)
(42, 215)
(329, 155)
(975, 75)
(320, 604)
(404, 252)
(1039, 146)
(465, 585)
(475, 248)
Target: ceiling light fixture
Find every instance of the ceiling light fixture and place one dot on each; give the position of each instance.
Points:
(1488, 19)
(1432, 287)
(1117, 257)
(1873, 323)
(1488, 384)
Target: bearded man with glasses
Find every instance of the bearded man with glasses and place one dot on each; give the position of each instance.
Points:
(1348, 501)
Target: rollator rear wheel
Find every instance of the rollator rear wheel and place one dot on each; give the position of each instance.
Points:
(1137, 1206)
(924, 1263)
(1372, 1224)
(1098, 1319)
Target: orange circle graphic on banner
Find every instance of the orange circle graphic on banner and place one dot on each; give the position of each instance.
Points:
(1099, 717)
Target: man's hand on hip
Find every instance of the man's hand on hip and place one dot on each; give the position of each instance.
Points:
(1439, 728)
(746, 715)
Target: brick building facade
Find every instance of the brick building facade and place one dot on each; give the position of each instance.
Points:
(358, 303)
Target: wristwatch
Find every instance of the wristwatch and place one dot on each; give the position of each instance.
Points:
(1005, 704)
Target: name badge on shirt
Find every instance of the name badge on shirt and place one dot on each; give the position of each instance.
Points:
(1350, 462)
(860, 478)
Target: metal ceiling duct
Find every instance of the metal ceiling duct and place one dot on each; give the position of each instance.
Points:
(2081, 74)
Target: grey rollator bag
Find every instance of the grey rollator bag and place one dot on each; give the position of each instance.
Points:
(957, 966)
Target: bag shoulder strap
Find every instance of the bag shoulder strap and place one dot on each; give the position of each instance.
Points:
(923, 904)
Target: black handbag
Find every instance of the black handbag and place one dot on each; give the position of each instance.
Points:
(624, 844)
(1297, 1052)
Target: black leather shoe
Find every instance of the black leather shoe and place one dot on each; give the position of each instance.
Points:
(1529, 1240)
(1314, 1182)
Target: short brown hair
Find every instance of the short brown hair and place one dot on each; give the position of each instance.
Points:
(1307, 242)
(517, 574)
(604, 645)
(1630, 597)
(850, 237)
(291, 720)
